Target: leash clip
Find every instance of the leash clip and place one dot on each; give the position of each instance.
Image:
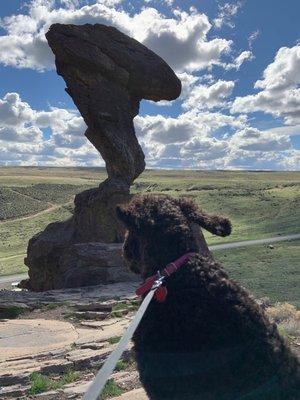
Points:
(158, 282)
(160, 292)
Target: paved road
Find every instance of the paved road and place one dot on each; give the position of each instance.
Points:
(17, 278)
(12, 278)
(245, 243)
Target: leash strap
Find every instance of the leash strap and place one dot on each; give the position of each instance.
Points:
(150, 285)
(108, 367)
(167, 271)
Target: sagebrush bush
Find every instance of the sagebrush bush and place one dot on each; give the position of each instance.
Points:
(291, 327)
(283, 312)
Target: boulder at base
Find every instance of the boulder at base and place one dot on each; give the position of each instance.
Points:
(78, 265)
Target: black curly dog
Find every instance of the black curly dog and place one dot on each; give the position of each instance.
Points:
(209, 340)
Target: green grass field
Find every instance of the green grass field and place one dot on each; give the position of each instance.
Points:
(259, 204)
(274, 273)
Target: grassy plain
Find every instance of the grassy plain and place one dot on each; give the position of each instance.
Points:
(274, 273)
(260, 204)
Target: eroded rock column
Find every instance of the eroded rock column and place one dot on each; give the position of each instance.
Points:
(107, 74)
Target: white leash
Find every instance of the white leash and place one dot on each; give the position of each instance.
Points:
(108, 367)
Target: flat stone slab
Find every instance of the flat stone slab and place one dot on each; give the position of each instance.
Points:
(137, 394)
(85, 295)
(30, 337)
(37, 345)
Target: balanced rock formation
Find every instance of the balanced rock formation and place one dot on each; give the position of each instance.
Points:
(107, 75)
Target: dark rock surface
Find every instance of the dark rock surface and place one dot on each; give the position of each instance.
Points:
(107, 75)
(87, 264)
(76, 265)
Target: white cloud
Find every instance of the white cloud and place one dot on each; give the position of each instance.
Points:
(291, 161)
(226, 14)
(239, 60)
(67, 126)
(253, 139)
(208, 97)
(205, 148)
(292, 130)
(180, 39)
(187, 141)
(284, 72)
(254, 160)
(252, 38)
(13, 111)
(280, 94)
(22, 134)
(22, 140)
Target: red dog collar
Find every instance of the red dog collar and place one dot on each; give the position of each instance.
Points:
(167, 271)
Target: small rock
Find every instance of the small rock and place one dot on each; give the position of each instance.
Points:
(87, 358)
(78, 388)
(52, 394)
(94, 307)
(270, 246)
(14, 391)
(91, 315)
(92, 346)
(127, 380)
(137, 394)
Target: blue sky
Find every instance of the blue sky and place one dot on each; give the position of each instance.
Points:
(239, 62)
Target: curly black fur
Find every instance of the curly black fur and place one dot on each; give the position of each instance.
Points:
(209, 340)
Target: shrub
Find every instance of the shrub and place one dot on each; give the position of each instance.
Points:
(111, 389)
(114, 340)
(41, 383)
(291, 327)
(283, 312)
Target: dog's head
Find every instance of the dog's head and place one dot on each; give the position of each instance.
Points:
(161, 228)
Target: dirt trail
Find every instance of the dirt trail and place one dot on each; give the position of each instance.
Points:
(13, 256)
(52, 207)
(25, 195)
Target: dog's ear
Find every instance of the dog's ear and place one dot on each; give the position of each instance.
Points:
(216, 224)
(125, 216)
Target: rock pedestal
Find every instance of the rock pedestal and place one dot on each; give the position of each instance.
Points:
(107, 75)
(81, 264)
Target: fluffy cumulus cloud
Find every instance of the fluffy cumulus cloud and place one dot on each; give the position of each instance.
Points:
(13, 111)
(189, 141)
(22, 139)
(186, 141)
(181, 39)
(253, 139)
(209, 96)
(279, 92)
(16, 121)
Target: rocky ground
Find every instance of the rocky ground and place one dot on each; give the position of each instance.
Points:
(53, 343)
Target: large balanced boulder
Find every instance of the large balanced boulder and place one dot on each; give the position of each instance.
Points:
(107, 75)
